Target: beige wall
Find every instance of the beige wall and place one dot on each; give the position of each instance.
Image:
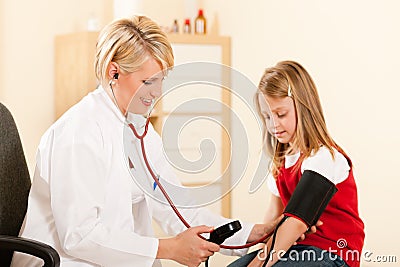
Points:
(349, 47)
(27, 36)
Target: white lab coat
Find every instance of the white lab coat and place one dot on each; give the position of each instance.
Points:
(84, 202)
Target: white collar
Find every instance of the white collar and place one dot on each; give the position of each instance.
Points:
(138, 120)
(290, 160)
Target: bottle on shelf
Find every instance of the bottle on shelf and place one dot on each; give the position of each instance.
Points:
(93, 23)
(187, 27)
(175, 27)
(200, 23)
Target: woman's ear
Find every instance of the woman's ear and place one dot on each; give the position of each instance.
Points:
(112, 70)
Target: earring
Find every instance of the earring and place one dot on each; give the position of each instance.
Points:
(289, 91)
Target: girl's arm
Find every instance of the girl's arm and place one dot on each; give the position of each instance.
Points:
(288, 233)
(274, 210)
(286, 236)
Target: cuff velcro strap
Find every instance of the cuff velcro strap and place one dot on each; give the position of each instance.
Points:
(310, 197)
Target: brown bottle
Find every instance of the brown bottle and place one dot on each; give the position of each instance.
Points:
(200, 23)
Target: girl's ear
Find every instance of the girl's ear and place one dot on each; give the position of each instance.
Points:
(112, 70)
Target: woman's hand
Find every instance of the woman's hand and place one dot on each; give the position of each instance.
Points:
(188, 248)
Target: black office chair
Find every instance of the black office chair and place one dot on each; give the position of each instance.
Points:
(14, 189)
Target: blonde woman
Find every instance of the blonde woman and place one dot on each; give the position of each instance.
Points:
(83, 200)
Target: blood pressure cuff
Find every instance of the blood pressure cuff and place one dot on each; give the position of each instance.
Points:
(310, 197)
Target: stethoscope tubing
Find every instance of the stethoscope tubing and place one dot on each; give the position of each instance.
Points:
(154, 176)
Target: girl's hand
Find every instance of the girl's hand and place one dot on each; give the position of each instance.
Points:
(312, 230)
(188, 248)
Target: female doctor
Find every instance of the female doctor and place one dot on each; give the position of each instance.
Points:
(83, 200)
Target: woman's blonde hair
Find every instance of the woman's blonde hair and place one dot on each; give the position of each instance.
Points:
(129, 43)
(289, 78)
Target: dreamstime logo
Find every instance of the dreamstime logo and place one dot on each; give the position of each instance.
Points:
(341, 243)
(313, 254)
(369, 256)
(192, 106)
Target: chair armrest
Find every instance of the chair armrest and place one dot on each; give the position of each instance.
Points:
(47, 253)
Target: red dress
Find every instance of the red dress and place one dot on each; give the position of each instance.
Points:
(342, 232)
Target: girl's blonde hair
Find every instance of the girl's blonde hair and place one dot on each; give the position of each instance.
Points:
(289, 78)
(129, 43)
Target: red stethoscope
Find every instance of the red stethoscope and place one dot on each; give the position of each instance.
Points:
(156, 180)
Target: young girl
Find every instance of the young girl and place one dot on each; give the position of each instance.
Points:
(297, 139)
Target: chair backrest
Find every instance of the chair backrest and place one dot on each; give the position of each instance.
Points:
(15, 181)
